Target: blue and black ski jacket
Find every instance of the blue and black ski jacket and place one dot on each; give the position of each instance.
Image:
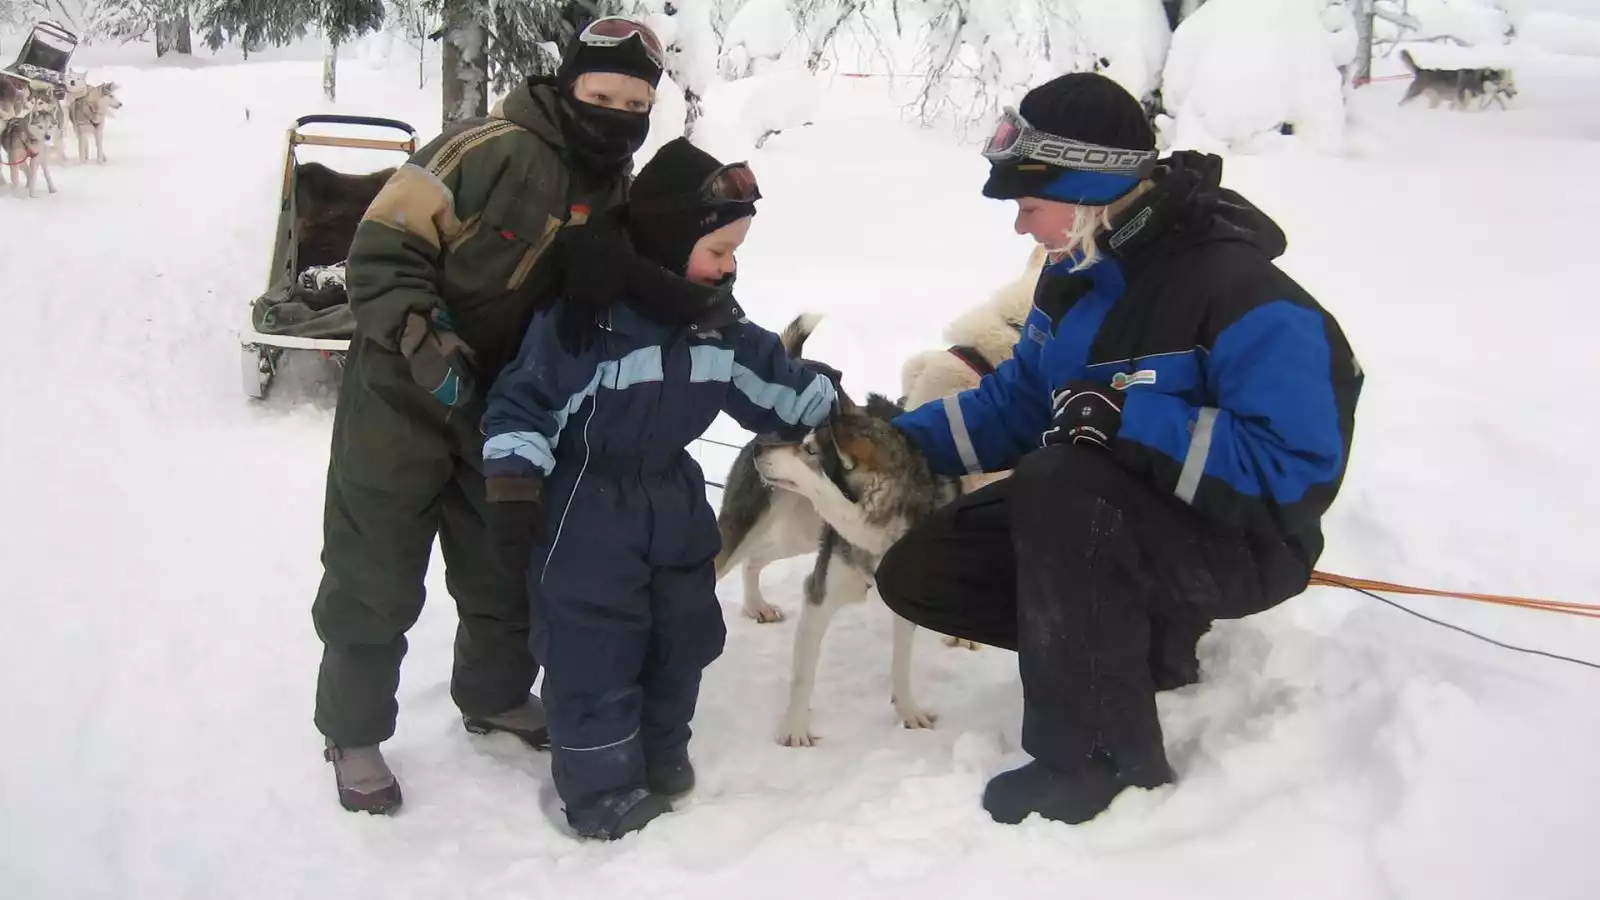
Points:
(1239, 389)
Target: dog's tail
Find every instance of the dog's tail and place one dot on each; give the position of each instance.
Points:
(1405, 57)
(794, 336)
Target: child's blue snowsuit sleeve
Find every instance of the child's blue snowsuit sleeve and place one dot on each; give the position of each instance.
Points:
(769, 391)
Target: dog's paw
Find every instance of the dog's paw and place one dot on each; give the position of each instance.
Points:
(763, 612)
(797, 734)
(914, 716)
(962, 643)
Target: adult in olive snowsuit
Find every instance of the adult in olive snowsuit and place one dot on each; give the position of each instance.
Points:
(439, 280)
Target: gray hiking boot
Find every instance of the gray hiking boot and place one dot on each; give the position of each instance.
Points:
(365, 782)
(526, 722)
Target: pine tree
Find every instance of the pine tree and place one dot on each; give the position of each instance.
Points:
(255, 24)
(132, 20)
(499, 43)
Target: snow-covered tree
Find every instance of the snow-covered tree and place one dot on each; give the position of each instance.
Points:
(1360, 15)
(978, 55)
(254, 23)
(73, 14)
(709, 41)
(342, 21)
(170, 21)
(13, 13)
(498, 43)
(415, 21)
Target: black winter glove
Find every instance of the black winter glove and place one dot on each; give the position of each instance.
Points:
(821, 368)
(516, 518)
(1086, 412)
(440, 361)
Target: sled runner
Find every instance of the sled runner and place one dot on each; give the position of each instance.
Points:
(304, 307)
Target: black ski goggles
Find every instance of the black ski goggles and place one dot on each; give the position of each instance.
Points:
(613, 30)
(1014, 140)
(732, 183)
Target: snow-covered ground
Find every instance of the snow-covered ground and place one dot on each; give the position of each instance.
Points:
(161, 550)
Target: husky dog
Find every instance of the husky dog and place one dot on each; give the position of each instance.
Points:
(869, 485)
(25, 141)
(88, 113)
(1459, 87)
(981, 339)
(846, 492)
(14, 103)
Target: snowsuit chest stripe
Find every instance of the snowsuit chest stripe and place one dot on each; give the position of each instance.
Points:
(641, 366)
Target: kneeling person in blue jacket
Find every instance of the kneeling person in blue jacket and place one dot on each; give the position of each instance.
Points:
(1178, 413)
(593, 491)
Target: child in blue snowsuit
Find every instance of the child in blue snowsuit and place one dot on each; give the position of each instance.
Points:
(592, 489)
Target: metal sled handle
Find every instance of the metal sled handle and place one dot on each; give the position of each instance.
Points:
(335, 119)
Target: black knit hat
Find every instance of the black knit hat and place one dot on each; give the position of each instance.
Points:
(627, 58)
(1081, 106)
(666, 214)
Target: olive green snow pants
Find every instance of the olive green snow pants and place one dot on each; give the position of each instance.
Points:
(402, 469)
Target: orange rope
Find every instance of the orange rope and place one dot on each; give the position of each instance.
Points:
(1328, 579)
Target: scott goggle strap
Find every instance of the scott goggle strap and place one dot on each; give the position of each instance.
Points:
(1015, 140)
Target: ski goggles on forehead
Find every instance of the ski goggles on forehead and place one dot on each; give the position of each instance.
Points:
(733, 183)
(1015, 140)
(613, 30)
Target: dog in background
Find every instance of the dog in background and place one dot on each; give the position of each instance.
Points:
(1458, 87)
(88, 112)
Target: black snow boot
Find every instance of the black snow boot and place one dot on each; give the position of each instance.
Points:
(620, 815)
(526, 722)
(1073, 797)
(669, 774)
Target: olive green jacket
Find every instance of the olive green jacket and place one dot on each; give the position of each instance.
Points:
(463, 224)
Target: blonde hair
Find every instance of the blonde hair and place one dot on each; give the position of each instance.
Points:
(1090, 223)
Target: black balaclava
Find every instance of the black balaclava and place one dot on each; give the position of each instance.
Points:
(666, 214)
(604, 140)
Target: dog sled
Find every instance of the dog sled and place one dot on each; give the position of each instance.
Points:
(46, 53)
(304, 307)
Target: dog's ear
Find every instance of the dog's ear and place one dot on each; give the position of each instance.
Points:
(829, 436)
(847, 406)
(856, 446)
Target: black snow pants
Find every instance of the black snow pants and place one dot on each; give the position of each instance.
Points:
(1101, 586)
(625, 617)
